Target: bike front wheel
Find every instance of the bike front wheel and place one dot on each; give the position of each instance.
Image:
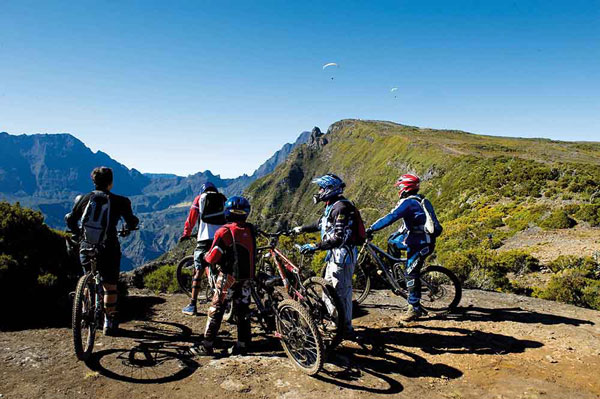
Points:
(326, 310)
(299, 337)
(84, 321)
(440, 289)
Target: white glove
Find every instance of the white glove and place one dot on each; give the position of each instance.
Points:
(297, 230)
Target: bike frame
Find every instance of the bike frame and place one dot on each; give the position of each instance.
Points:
(283, 263)
(377, 254)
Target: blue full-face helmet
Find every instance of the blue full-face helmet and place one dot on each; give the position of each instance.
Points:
(237, 209)
(330, 186)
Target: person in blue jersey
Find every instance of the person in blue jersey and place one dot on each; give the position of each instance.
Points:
(412, 237)
(338, 238)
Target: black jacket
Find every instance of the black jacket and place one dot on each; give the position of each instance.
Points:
(336, 223)
(120, 207)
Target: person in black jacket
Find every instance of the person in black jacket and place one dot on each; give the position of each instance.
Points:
(109, 250)
(337, 232)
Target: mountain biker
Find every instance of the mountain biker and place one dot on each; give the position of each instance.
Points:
(109, 251)
(233, 253)
(207, 210)
(336, 227)
(411, 237)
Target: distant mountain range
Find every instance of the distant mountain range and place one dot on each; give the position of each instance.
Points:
(47, 171)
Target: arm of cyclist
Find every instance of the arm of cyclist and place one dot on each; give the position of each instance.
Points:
(221, 241)
(399, 212)
(130, 219)
(308, 228)
(72, 218)
(192, 219)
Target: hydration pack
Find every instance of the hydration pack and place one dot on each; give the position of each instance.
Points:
(96, 217)
(359, 232)
(432, 224)
(214, 206)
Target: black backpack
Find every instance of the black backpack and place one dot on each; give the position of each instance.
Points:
(213, 208)
(96, 217)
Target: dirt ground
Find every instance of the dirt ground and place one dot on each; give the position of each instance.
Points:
(496, 346)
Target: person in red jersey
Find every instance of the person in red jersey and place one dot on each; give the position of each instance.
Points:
(233, 254)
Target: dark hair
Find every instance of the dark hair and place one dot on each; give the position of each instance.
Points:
(102, 177)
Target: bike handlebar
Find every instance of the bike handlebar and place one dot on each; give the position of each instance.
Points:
(276, 234)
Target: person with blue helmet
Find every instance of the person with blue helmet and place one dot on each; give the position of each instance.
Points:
(207, 211)
(337, 227)
(233, 253)
(412, 237)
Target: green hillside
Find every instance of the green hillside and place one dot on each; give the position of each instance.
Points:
(486, 191)
(36, 272)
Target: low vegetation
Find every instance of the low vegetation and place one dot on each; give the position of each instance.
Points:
(36, 272)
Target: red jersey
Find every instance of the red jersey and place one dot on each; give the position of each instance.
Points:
(222, 250)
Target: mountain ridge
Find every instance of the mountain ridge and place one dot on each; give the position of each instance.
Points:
(46, 172)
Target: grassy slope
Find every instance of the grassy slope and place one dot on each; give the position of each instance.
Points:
(485, 189)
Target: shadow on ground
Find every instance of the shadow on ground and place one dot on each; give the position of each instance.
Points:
(516, 314)
(160, 354)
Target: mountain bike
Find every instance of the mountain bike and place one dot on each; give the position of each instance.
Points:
(289, 321)
(319, 297)
(440, 288)
(206, 286)
(88, 305)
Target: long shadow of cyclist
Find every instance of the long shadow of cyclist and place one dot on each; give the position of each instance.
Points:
(160, 354)
(516, 314)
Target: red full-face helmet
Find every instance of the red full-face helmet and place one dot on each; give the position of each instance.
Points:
(407, 183)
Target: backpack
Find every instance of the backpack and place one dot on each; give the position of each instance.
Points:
(96, 217)
(213, 208)
(432, 224)
(359, 232)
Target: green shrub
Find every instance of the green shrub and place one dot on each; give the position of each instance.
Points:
(478, 268)
(573, 287)
(591, 294)
(35, 269)
(587, 265)
(558, 219)
(163, 279)
(518, 261)
(589, 213)
(47, 280)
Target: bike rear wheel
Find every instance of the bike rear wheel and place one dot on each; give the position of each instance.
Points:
(84, 321)
(299, 337)
(326, 310)
(440, 289)
(185, 274)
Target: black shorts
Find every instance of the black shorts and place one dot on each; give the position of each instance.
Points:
(108, 262)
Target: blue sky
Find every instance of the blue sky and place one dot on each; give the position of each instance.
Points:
(181, 86)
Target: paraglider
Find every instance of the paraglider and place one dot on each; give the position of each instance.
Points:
(393, 90)
(330, 65)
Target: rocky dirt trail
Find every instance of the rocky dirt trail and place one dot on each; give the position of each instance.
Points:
(496, 346)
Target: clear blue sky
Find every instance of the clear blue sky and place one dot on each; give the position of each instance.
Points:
(180, 87)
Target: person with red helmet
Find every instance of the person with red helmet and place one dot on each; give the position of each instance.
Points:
(413, 236)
